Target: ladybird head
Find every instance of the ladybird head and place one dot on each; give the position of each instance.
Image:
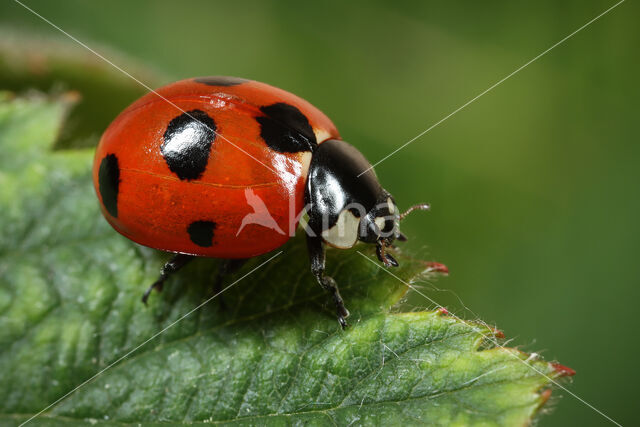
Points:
(380, 222)
(381, 226)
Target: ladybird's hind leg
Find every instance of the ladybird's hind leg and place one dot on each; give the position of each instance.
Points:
(227, 267)
(174, 264)
(317, 258)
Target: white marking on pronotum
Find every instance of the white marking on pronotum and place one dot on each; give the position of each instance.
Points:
(344, 234)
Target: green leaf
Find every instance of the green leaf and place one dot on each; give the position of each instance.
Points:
(70, 306)
(59, 65)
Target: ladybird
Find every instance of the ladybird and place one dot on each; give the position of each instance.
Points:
(228, 168)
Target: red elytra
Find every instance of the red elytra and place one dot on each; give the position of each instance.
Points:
(155, 207)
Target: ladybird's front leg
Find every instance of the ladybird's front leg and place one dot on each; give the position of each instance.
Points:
(317, 258)
(174, 264)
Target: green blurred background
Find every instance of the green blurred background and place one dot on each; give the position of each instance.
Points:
(534, 186)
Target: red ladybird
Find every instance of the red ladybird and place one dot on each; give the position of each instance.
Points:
(224, 167)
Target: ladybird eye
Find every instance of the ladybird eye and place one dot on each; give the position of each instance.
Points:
(389, 225)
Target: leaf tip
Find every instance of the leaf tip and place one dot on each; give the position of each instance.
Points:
(437, 267)
(563, 371)
(442, 311)
(71, 97)
(497, 333)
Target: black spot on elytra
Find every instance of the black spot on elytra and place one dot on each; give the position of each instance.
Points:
(109, 182)
(187, 144)
(285, 129)
(201, 232)
(220, 80)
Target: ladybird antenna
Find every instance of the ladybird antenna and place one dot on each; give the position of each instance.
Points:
(421, 207)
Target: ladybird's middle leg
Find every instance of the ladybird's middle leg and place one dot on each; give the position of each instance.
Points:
(174, 264)
(317, 258)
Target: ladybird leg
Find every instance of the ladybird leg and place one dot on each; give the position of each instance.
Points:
(387, 259)
(317, 258)
(174, 264)
(227, 266)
